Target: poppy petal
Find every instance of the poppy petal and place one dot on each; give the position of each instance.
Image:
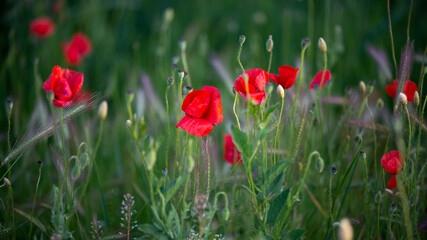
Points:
(195, 126)
(196, 103)
(409, 90)
(274, 77)
(391, 89)
(214, 114)
(392, 184)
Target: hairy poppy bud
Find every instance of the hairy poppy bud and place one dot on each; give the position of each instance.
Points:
(305, 42)
(242, 39)
(416, 99)
(128, 123)
(181, 74)
(334, 170)
(362, 87)
(7, 182)
(103, 110)
(225, 214)
(168, 15)
(370, 88)
(403, 99)
(9, 104)
(322, 45)
(269, 44)
(363, 154)
(281, 91)
(182, 44)
(345, 231)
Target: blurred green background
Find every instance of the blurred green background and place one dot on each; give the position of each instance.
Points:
(136, 40)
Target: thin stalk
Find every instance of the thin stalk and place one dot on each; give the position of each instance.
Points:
(184, 62)
(269, 61)
(321, 87)
(419, 132)
(409, 20)
(332, 204)
(410, 134)
(208, 187)
(366, 196)
(282, 223)
(63, 155)
(234, 110)
(375, 135)
(293, 108)
(277, 131)
(177, 130)
(10, 190)
(238, 57)
(391, 36)
(168, 127)
(35, 198)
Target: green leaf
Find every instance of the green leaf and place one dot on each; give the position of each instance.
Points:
(295, 234)
(275, 171)
(263, 133)
(276, 205)
(152, 230)
(267, 116)
(171, 189)
(242, 142)
(275, 186)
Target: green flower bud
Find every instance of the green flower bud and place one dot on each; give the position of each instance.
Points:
(242, 39)
(269, 44)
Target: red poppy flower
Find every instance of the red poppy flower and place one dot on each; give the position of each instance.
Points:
(286, 77)
(203, 110)
(231, 154)
(65, 84)
(42, 27)
(79, 47)
(393, 163)
(318, 79)
(257, 78)
(409, 89)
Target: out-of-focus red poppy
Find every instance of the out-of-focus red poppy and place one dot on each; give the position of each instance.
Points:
(65, 84)
(78, 48)
(286, 77)
(203, 110)
(409, 89)
(393, 163)
(318, 79)
(257, 78)
(42, 27)
(231, 154)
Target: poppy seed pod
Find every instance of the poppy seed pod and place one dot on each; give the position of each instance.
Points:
(362, 87)
(322, 45)
(269, 44)
(103, 110)
(334, 170)
(9, 104)
(281, 91)
(363, 154)
(403, 99)
(130, 95)
(181, 74)
(416, 99)
(380, 103)
(242, 39)
(305, 42)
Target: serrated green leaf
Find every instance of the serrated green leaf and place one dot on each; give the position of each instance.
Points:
(171, 189)
(152, 230)
(277, 204)
(275, 170)
(275, 186)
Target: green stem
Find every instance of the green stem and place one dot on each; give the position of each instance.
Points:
(375, 135)
(177, 130)
(35, 198)
(410, 134)
(238, 57)
(277, 131)
(10, 190)
(184, 62)
(332, 204)
(269, 61)
(317, 109)
(65, 159)
(294, 104)
(391, 36)
(282, 223)
(419, 132)
(168, 127)
(234, 110)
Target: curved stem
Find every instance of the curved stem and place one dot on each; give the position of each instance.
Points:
(238, 57)
(234, 110)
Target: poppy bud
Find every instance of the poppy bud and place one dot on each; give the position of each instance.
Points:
(128, 123)
(190, 164)
(393, 208)
(103, 110)
(362, 155)
(362, 87)
(416, 99)
(281, 91)
(269, 44)
(182, 44)
(345, 231)
(225, 214)
(7, 182)
(334, 170)
(130, 95)
(322, 45)
(181, 74)
(164, 172)
(169, 15)
(151, 160)
(305, 43)
(370, 88)
(358, 138)
(9, 104)
(403, 99)
(50, 95)
(380, 103)
(75, 173)
(378, 197)
(242, 39)
(171, 80)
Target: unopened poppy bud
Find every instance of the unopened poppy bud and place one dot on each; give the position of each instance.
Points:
(128, 123)
(305, 42)
(363, 154)
(322, 45)
(50, 95)
(171, 80)
(175, 60)
(269, 44)
(225, 214)
(103, 110)
(380, 103)
(378, 197)
(190, 164)
(9, 104)
(181, 74)
(281, 91)
(7, 182)
(130, 95)
(151, 160)
(188, 89)
(416, 99)
(164, 172)
(403, 99)
(182, 44)
(345, 231)
(393, 208)
(370, 88)
(362, 87)
(242, 39)
(334, 170)
(169, 15)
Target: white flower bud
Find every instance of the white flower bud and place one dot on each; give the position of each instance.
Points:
(346, 230)
(103, 110)
(403, 99)
(322, 45)
(281, 91)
